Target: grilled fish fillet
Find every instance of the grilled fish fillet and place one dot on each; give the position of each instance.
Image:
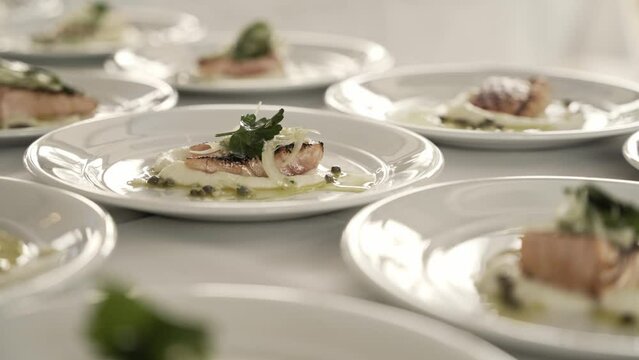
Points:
(513, 96)
(224, 65)
(42, 105)
(578, 262)
(306, 160)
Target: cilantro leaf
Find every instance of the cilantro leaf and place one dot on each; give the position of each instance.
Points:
(124, 328)
(248, 140)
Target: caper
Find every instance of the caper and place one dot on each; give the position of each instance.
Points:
(153, 180)
(196, 192)
(169, 182)
(208, 189)
(243, 191)
(336, 171)
(627, 319)
(329, 178)
(507, 291)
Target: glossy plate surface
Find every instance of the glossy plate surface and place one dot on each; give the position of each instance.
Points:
(379, 96)
(257, 322)
(424, 249)
(310, 61)
(78, 231)
(631, 150)
(99, 158)
(149, 25)
(116, 94)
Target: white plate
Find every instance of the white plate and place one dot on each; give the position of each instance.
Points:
(424, 248)
(153, 25)
(82, 234)
(117, 94)
(631, 150)
(98, 158)
(257, 322)
(310, 61)
(378, 95)
(15, 12)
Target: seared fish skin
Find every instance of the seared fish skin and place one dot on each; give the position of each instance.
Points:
(225, 65)
(43, 105)
(306, 160)
(513, 96)
(578, 262)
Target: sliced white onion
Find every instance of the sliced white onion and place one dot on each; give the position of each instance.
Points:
(270, 168)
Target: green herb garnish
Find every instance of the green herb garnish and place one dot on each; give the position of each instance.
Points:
(125, 328)
(248, 141)
(256, 40)
(79, 27)
(17, 74)
(589, 210)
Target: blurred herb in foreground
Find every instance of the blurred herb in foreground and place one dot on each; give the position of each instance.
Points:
(125, 328)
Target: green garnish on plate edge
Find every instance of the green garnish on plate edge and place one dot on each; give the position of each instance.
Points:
(125, 328)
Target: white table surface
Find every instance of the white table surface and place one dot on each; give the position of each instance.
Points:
(305, 253)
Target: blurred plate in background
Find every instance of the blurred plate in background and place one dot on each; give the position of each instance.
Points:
(72, 234)
(390, 96)
(310, 61)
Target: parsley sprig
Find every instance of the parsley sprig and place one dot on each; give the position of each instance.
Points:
(125, 328)
(248, 141)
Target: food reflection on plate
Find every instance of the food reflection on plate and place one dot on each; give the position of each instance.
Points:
(507, 104)
(260, 160)
(586, 264)
(31, 96)
(95, 23)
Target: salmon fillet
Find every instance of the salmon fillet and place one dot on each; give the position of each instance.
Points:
(513, 96)
(577, 262)
(306, 160)
(225, 65)
(42, 105)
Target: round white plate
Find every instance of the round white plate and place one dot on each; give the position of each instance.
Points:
(79, 231)
(256, 322)
(116, 94)
(631, 150)
(378, 96)
(310, 61)
(153, 25)
(424, 249)
(16, 12)
(115, 151)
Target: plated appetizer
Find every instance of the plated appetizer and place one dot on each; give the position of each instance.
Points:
(259, 160)
(254, 53)
(31, 96)
(96, 22)
(586, 263)
(503, 103)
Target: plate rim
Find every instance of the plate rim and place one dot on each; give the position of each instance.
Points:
(552, 345)
(437, 331)
(330, 99)
(291, 37)
(172, 97)
(79, 267)
(241, 210)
